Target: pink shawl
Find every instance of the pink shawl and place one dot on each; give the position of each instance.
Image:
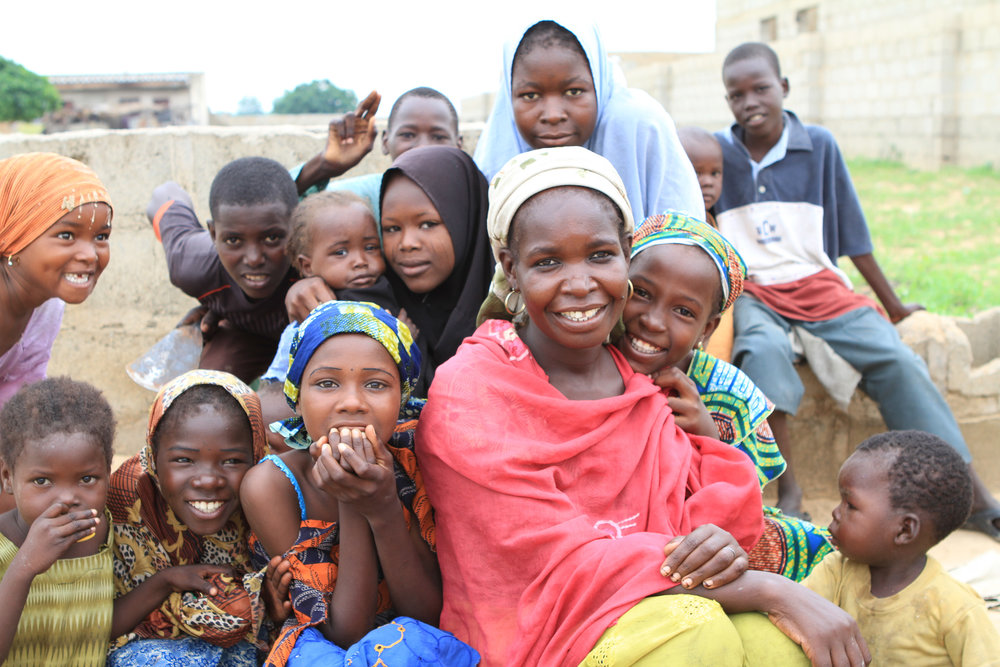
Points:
(552, 514)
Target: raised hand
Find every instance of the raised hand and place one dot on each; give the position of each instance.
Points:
(352, 136)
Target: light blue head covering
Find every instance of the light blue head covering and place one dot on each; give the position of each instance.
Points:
(633, 132)
(344, 317)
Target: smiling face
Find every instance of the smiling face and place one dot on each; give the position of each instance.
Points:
(420, 121)
(345, 249)
(69, 257)
(251, 242)
(567, 259)
(755, 95)
(200, 462)
(416, 241)
(70, 468)
(553, 95)
(865, 522)
(676, 293)
(350, 381)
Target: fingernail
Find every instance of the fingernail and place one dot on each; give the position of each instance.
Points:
(686, 583)
(675, 577)
(708, 583)
(665, 570)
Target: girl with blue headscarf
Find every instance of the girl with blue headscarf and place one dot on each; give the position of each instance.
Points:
(346, 506)
(587, 104)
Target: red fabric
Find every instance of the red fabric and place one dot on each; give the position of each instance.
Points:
(552, 514)
(816, 298)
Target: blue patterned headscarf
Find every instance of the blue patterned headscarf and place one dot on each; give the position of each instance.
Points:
(680, 229)
(347, 317)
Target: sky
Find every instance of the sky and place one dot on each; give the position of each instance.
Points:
(258, 49)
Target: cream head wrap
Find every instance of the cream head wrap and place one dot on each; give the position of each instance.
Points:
(526, 175)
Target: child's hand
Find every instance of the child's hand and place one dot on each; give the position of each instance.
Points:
(690, 413)
(208, 321)
(708, 555)
(194, 578)
(352, 136)
(277, 581)
(904, 311)
(306, 294)
(827, 634)
(405, 319)
(360, 473)
(53, 533)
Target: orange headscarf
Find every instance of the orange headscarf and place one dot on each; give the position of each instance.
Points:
(36, 189)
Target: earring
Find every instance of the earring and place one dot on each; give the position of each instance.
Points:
(10, 260)
(506, 306)
(701, 345)
(630, 291)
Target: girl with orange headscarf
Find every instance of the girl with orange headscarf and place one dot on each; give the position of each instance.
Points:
(55, 219)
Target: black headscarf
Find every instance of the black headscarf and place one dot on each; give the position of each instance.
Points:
(458, 190)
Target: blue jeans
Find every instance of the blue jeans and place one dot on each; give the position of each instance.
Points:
(891, 373)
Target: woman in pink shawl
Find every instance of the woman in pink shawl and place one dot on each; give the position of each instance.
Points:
(559, 477)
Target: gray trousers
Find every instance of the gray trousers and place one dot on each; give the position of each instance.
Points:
(892, 374)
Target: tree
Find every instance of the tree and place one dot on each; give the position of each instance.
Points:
(249, 106)
(25, 95)
(316, 97)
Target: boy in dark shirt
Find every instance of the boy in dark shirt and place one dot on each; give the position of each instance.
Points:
(237, 268)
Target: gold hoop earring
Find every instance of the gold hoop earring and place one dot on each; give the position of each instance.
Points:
(630, 291)
(506, 306)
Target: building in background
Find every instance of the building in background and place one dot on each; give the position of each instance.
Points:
(127, 101)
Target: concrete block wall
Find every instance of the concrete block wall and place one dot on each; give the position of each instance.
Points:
(899, 79)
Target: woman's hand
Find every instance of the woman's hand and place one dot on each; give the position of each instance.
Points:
(52, 534)
(306, 294)
(707, 556)
(827, 634)
(690, 413)
(353, 466)
(277, 581)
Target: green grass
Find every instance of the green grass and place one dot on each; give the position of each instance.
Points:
(936, 234)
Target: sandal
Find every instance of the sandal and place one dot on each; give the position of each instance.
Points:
(982, 522)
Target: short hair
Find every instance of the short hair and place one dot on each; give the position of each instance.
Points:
(252, 180)
(749, 50)
(546, 34)
(696, 135)
(301, 238)
(925, 474)
(426, 93)
(192, 401)
(55, 405)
